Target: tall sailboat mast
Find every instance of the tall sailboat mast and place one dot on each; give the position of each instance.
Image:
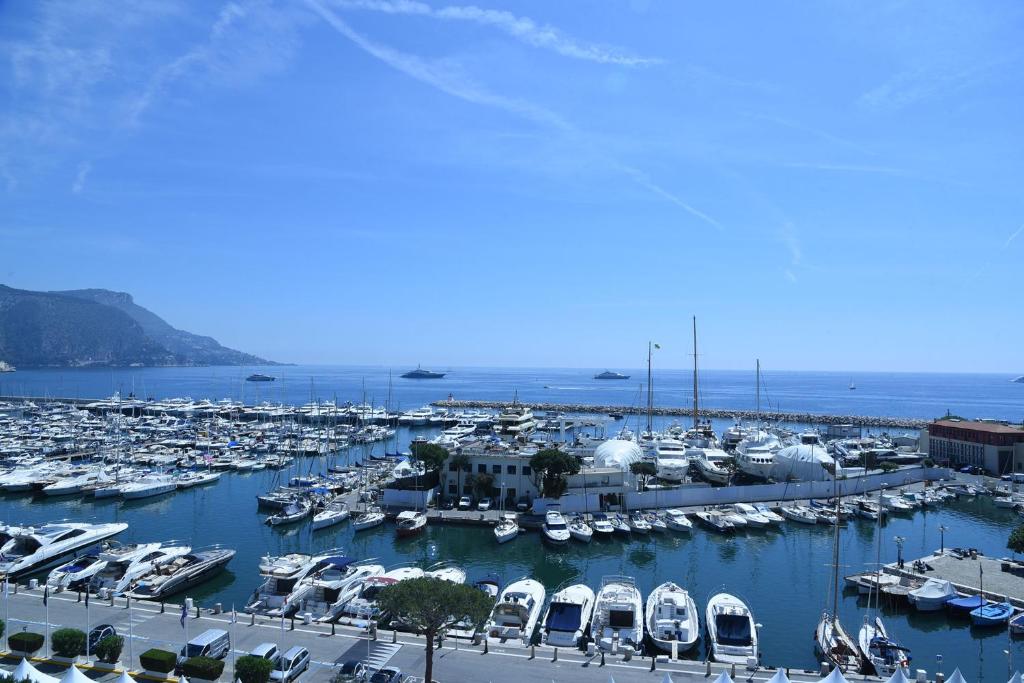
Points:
(695, 420)
(650, 391)
(758, 401)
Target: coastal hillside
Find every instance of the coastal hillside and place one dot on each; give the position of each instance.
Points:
(98, 327)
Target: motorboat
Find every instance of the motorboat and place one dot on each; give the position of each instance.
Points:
(30, 549)
(755, 454)
(336, 512)
(331, 584)
(410, 523)
(292, 513)
(671, 618)
(932, 595)
(149, 486)
(751, 515)
(416, 418)
(75, 573)
(608, 374)
(656, 521)
(579, 530)
(259, 377)
(738, 521)
(515, 420)
(181, 574)
(516, 612)
(638, 523)
(446, 571)
(555, 530)
(69, 486)
(800, 514)
(123, 565)
(568, 616)
(672, 459)
(507, 528)
(281, 574)
(712, 465)
(992, 614)
(618, 615)
(677, 520)
(601, 525)
(620, 525)
(187, 480)
(768, 513)
(715, 521)
(732, 633)
(420, 373)
(363, 606)
(882, 655)
(368, 519)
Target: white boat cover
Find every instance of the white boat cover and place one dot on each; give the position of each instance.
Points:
(898, 676)
(956, 677)
(779, 677)
(74, 675)
(835, 677)
(26, 670)
(723, 677)
(1015, 678)
(934, 589)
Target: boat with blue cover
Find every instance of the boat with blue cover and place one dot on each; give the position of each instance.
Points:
(964, 606)
(992, 614)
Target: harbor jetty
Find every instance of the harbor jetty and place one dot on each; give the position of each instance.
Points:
(674, 411)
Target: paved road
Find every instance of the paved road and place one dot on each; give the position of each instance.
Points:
(453, 662)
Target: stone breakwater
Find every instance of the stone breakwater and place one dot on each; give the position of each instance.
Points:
(741, 415)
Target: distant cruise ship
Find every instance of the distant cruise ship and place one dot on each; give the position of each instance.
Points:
(420, 373)
(259, 378)
(6, 367)
(608, 374)
(1019, 380)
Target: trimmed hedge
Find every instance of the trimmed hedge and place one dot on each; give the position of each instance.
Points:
(203, 667)
(158, 660)
(67, 642)
(26, 641)
(108, 650)
(249, 669)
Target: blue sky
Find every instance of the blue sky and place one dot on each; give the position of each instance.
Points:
(829, 185)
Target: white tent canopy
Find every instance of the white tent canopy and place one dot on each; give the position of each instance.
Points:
(835, 677)
(73, 675)
(1015, 678)
(26, 670)
(723, 678)
(779, 677)
(956, 677)
(125, 678)
(898, 676)
(667, 678)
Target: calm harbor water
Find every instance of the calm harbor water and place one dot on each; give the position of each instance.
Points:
(914, 395)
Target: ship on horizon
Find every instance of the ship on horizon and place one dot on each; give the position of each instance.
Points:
(608, 374)
(420, 373)
(1019, 380)
(257, 377)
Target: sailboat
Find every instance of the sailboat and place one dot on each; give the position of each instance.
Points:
(883, 655)
(853, 386)
(831, 640)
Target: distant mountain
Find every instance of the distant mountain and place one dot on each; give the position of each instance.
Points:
(98, 327)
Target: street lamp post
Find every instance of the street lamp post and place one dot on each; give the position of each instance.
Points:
(899, 551)
(942, 538)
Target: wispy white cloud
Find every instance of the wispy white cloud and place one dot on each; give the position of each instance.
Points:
(1011, 238)
(915, 84)
(642, 179)
(523, 29)
(78, 184)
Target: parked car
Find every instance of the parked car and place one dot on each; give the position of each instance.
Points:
(95, 636)
(388, 674)
(290, 665)
(352, 671)
(268, 651)
(484, 504)
(465, 503)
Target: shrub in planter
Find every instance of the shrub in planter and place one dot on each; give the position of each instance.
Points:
(160, 661)
(206, 668)
(249, 669)
(108, 650)
(67, 642)
(25, 641)
(3, 627)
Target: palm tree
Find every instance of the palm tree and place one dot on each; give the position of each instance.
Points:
(461, 462)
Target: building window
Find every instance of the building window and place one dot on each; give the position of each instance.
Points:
(511, 469)
(453, 489)
(526, 470)
(452, 467)
(495, 469)
(481, 469)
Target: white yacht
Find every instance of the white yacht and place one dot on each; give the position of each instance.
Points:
(712, 465)
(672, 459)
(332, 583)
(768, 513)
(755, 454)
(74, 574)
(516, 420)
(507, 528)
(751, 514)
(28, 549)
(732, 633)
(416, 418)
(410, 523)
(555, 529)
(368, 519)
(125, 564)
(336, 512)
(281, 575)
(618, 615)
(148, 486)
(73, 485)
(799, 513)
(446, 571)
(672, 618)
(638, 523)
(568, 616)
(363, 606)
(180, 574)
(580, 530)
(601, 525)
(515, 615)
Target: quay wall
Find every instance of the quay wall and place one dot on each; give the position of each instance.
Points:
(758, 493)
(804, 418)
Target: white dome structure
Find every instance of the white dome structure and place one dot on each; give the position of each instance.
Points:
(805, 462)
(618, 453)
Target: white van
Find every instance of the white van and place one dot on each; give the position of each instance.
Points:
(214, 643)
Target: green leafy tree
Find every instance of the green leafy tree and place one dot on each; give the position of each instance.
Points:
(1016, 541)
(461, 462)
(482, 485)
(550, 468)
(249, 669)
(68, 642)
(432, 606)
(644, 471)
(431, 455)
(108, 650)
